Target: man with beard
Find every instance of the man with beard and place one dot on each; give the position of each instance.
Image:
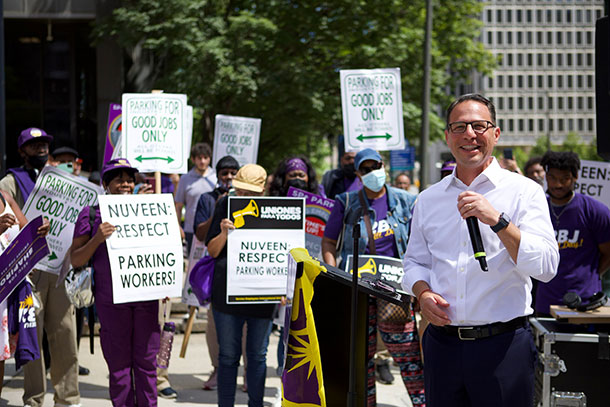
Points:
(342, 179)
(56, 314)
(582, 229)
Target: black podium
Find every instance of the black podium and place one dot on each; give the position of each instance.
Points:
(331, 308)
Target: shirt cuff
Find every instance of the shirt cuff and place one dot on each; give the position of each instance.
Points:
(536, 258)
(413, 274)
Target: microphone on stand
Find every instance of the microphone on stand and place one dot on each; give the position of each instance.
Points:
(477, 243)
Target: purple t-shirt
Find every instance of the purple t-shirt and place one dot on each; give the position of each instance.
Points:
(101, 264)
(383, 233)
(580, 226)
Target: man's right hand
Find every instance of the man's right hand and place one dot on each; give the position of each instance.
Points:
(432, 307)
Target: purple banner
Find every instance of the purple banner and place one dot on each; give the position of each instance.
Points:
(317, 211)
(114, 129)
(21, 255)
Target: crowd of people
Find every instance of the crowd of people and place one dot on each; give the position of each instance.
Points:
(472, 330)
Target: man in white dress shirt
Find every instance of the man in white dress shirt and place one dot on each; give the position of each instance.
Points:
(478, 349)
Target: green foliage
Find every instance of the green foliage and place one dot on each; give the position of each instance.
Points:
(572, 143)
(280, 59)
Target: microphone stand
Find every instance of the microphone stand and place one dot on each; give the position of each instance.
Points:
(351, 395)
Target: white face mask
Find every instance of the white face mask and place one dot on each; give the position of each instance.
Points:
(374, 180)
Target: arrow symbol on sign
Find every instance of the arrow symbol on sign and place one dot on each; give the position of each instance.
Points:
(362, 137)
(52, 256)
(168, 158)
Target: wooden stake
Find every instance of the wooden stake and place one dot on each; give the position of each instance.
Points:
(187, 331)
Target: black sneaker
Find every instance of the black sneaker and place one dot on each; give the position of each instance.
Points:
(168, 393)
(383, 373)
(83, 371)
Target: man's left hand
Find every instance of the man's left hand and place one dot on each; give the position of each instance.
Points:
(472, 204)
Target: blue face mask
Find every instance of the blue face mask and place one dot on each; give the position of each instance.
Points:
(374, 180)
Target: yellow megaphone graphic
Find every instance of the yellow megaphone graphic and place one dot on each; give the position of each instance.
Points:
(369, 267)
(238, 216)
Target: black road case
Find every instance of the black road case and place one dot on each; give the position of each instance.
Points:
(573, 365)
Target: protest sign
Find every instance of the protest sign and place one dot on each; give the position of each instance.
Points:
(198, 250)
(59, 196)
(113, 130)
(387, 269)
(317, 212)
(155, 132)
(257, 261)
(145, 250)
(20, 256)
(236, 136)
(594, 180)
(371, 100)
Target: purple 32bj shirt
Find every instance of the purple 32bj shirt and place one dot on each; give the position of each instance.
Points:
(383, 233)
(580, 226)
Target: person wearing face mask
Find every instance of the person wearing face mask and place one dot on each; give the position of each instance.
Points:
(130, 332)
(296, 172)
(342, 179)
(226, 169)
(56, 315)
(33, 147)
(390, 215)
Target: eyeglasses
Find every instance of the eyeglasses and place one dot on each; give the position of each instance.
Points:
(365, 170)
(478, 126)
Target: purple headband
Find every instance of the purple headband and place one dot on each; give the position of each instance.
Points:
(295, 164)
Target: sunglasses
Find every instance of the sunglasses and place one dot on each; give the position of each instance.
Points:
(365, 170)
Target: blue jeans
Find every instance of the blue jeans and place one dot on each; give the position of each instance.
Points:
(229, 330)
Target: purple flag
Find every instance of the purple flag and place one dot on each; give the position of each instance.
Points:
(114, 129)
(21, 255)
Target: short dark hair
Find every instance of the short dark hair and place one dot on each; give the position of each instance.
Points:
(476, 98)
(203, 149)
(531, 162)
(225, 162)
(561, 160)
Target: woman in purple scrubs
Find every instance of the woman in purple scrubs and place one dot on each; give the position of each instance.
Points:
(129, 332)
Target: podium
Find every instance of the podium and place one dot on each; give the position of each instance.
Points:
(331, 309)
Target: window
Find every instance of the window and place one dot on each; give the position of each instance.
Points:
(569, 59)
(579, 82)
(500, 103)
(530, 103)
(500, 82)
(519, 37)
(539, 16)
(560, 124)
(498, 16)
(578, 59)
(539, 60)
(530, 37)
(570, 81)
(598, 14)
(560, 103)
(549, 81)
(578, 38)
(509, 38)
(579, 16)
(590, 103)
(510, 103)
(510, 81)
(549, 16)
(549, 38)
(589, 17)
(590, 124)
(530, 81)
(520, 103)
(570, 103)
(489, 37)
(520, 60)
(499, 37)
(510, 59)
(530, 59)
(509, 16)
(549, 60)
(521, 125)
(589, 60)
(511, 125)
(559, 82)
(589, 38)
(559, 59)
(568, 16)
(570, 124)
(581, 124)
(559, 37)
(491, 83)
(541, 125)
(549, 103)
(580, 102)
(540, 103)
(569, 37)
(558, 16)
(550, 125)
(489, 16)
(528, 16)
(590, 81)
(530, 125)
(539, 37)
(519, 16)
(501, 123)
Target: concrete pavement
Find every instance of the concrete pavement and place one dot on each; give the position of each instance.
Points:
(186, 375)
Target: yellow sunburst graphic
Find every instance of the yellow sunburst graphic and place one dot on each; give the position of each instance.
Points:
(307, 353)
(27, 303)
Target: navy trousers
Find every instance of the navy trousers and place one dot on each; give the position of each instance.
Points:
(497, 371)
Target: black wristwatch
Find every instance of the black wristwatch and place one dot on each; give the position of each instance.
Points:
(502, 223)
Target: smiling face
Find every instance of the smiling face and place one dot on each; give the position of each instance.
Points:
(560, 185)
(472, 151)
(122, 184)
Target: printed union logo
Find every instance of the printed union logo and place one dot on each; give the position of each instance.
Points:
(369, 267)
(251, 210)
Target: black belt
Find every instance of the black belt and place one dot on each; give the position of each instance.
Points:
(470, 333)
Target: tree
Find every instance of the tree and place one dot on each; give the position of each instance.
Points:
(280, 60)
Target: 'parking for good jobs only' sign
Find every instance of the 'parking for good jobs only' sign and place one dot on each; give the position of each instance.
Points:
(372, 109)
(155, 135)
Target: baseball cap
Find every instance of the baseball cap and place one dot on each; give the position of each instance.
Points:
(250, 177)
(366, 154)
(31, 134)
(117, 163)
(64, 150)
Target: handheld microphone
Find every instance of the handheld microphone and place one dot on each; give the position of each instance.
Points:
(477, 243)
